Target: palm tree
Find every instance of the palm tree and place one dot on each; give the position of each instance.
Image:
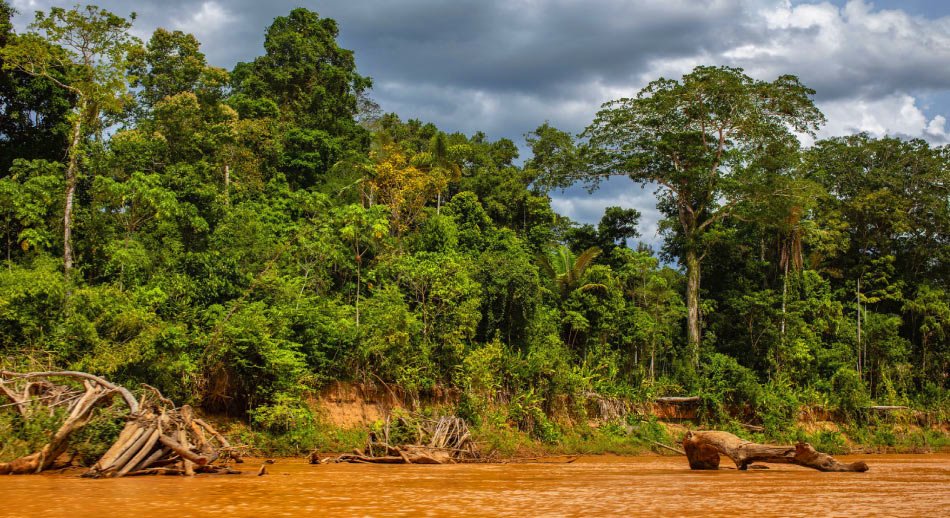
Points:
(567, 270)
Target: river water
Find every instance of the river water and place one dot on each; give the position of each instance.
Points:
(896, 485)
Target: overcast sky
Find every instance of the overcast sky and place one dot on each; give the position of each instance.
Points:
(506, 66)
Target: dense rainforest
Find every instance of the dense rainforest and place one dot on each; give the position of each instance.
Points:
(240, 239)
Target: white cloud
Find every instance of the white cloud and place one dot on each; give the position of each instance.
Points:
(870, 66)
(850, 51)
(617, 191)
(897, 114)
(210, 18)
(937, 130)
(26, 6)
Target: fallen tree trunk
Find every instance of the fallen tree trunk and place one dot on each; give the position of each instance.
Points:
(80, 412)
(157, 435)
(704, 448)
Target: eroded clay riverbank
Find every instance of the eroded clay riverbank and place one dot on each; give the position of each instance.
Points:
(896, 485)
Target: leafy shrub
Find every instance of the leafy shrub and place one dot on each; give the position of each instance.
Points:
(727, 385)
(777, 405)
(289, 422)
(849, 393)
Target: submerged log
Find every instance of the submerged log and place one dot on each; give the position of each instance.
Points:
(314, 457)
(704, 448)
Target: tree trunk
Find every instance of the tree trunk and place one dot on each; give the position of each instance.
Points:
(784, 300)
(652, 361)
(357, 304)
(860, 358)
(704, 448)
(692, 304)
(778, 357)
(72, 174)
(58, 441)
(227, 185)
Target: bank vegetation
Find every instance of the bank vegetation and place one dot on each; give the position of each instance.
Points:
(241, 239)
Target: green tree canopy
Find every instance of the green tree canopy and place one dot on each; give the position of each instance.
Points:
(700, 140)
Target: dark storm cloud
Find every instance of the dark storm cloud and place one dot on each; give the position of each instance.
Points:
(505, 66)
(510, 47)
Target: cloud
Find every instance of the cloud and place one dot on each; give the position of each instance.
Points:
(206, 22)
(618, 191)
(850, 51)
(896, 114)
(505, 66)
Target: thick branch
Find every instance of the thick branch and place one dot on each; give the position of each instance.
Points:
(18, 402)
(126, 395)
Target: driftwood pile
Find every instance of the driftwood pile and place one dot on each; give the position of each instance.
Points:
(158, 438)
(445, 440)
(167, 441)
(704, 448)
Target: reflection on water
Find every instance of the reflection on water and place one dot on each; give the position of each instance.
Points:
(896, 485)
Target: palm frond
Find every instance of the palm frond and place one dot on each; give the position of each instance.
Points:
(582, 262)
(544, 262)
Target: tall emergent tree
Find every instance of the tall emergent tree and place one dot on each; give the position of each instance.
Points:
(311, 85)
(172, 63)
(702, 141)
(84, 51)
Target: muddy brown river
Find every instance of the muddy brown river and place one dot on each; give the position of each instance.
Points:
(896, 485)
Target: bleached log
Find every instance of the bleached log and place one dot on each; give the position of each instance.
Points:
(181, 450)
(144, 452)
(132, 447)
(130, 432)
(149, 461)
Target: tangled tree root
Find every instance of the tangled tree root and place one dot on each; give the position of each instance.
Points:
(158, 438)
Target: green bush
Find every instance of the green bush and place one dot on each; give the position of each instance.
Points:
(725, 385)
(288, 422)
(849, 393)
(777, 406)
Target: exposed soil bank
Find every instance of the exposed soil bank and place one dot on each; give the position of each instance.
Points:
(346, 409)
